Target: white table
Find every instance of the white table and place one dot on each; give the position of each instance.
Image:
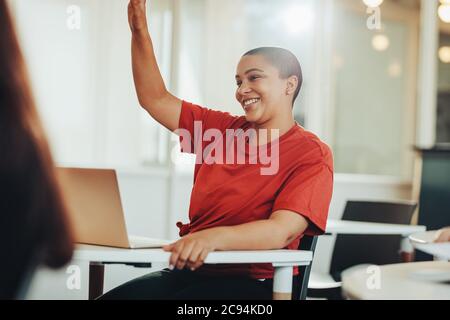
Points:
(397, 282)
(335, 227)
(357, 227)
(282, 260)
(424, 241)
(371, 228)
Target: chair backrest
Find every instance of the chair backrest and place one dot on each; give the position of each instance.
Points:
(351, 250)
(306, 243)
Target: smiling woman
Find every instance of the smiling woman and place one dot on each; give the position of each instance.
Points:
(235, 206)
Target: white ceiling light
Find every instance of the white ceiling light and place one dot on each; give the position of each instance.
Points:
(444, 54)
(444, 12)
(380, 42)
(373, 3)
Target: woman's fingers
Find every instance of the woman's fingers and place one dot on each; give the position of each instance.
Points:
(443, 235)
(200, 259)
(187, 252)
(138, 4)
(194, 257)
(137, 17)
(168, 247)
(184, 254)
(176, 250)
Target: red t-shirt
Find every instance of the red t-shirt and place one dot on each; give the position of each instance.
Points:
(229, 194)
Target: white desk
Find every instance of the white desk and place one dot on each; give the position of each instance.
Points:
(423, 237)
(423, 241)
(371, 228)
(397, 282)
(335, 227)
(357, 227)
(282, 260)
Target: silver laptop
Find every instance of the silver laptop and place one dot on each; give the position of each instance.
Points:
(95, 209)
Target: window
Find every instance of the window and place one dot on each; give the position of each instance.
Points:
(373, 88)
(443, 108)
(83, 82)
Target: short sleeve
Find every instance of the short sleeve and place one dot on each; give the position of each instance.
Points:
(195, 120)
(308, 192)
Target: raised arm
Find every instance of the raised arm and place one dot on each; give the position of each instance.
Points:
(150, 88)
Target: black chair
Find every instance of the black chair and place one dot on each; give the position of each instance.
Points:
(300, 281)
(306, 243)
(352, 250)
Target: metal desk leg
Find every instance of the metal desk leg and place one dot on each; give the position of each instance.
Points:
(282, 283)
(406, 250)
(96, 279)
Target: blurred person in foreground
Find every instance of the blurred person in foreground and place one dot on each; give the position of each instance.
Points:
(34, 229)
(443, 235)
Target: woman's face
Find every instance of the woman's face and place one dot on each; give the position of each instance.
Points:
(260, 91)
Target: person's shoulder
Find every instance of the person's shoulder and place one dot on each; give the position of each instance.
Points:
(311, 147)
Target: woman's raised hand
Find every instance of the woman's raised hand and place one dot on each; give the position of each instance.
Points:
(137, 16)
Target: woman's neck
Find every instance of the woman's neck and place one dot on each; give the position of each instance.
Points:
(279, 125)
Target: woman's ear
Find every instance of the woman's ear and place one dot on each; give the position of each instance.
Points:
(292, 83)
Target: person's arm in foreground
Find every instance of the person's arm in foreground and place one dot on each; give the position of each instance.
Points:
(443, 235)
(150, 88)
(274, 233)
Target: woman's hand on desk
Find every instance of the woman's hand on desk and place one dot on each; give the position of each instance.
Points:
(284, 226)
(191, 250)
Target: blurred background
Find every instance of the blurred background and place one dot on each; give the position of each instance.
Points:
(376, 85)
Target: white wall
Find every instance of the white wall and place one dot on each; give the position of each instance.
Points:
(82, 80)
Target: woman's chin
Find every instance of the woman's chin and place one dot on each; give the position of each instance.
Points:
(251, 116)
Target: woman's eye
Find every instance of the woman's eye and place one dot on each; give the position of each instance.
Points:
(251, 79)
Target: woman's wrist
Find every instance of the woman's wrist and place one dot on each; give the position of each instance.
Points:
(217, 238)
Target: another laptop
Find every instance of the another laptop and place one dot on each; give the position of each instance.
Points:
(95, 208)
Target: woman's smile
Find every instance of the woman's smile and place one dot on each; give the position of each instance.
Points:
(250, 104)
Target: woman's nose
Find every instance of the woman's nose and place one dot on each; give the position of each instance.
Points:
(243, 89)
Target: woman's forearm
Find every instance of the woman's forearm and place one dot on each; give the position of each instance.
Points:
(278, 232)
(257, 235)
(147, 76)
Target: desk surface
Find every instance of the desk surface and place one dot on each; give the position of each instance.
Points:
(424, 241)
(108, 254)
(356, 227)
(398, 281)
(423, 237)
